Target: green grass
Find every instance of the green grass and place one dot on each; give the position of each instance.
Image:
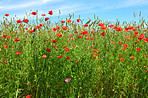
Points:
(98, 74)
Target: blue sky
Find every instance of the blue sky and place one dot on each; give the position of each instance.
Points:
(104, 9)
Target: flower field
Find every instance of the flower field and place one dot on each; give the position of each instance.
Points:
(72, 59)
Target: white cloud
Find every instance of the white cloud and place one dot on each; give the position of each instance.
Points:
(126, 3)
(27, 4)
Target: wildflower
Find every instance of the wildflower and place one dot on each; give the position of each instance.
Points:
(46, 19)
(33, 13)
(127, 37)
(67, 80)
(68, 21)
(66, 49)
(138, 49)
(59, 34)
(144, 29)
(26, 20)
(64, 28)
(6, 14)
(19, 21)
(131, 86)
(48, 50)
(44, 56)
(122, 59)
(74, 46)
(146, 39)
(18, 53)
(5, 61)
(103, 33)
(78, 20)
(120, 43)
(123, 48)
(85, 25)
(136, 32)
(62, 21)
(68, 58)
(104, 28)
(141, 36)
(132, 57)
(84, 33)
(5, 36)
(79, 36)
(125, 45)
(77, 61)
(100, 24)
(28, 96)
(16, 40)
(60, 56)
(43, 15)
(53, 41)
(50, 12)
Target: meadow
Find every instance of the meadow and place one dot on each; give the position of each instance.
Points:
(73, 59)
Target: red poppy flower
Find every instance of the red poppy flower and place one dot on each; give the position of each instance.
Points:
(5, 36)
(131, 86)
(68, 21)
(33, 13)
(19, 21)
(138, 49)
(68, 58)
(62, 21)
(5, 61)
(50, 12)
(103, 33)
(125, 45)
(60, 56)
(6, 46)
(78, 20)
(6, 14)
(132, 57)
(53, 41)
(64, 28)
(59, 34)
(66, 49)
(122, 59)
(31, 31)
(110, 25)
(127, 37)
(120, 43)
(146, 39)
(77, 61)
(104, 28)
(123, 48)
(16, 40)
(100, 24)
(48, 50)
(43, 15)
(141, 36)
(18, 53)
(84, 33)
(144, 29)
(46, 19)
(136, 32)
(147, 70)
(79, 36)
(67, 80)
(85, 25)
(26, 20)
(137, 27)
(44, 56)
(28, 96)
